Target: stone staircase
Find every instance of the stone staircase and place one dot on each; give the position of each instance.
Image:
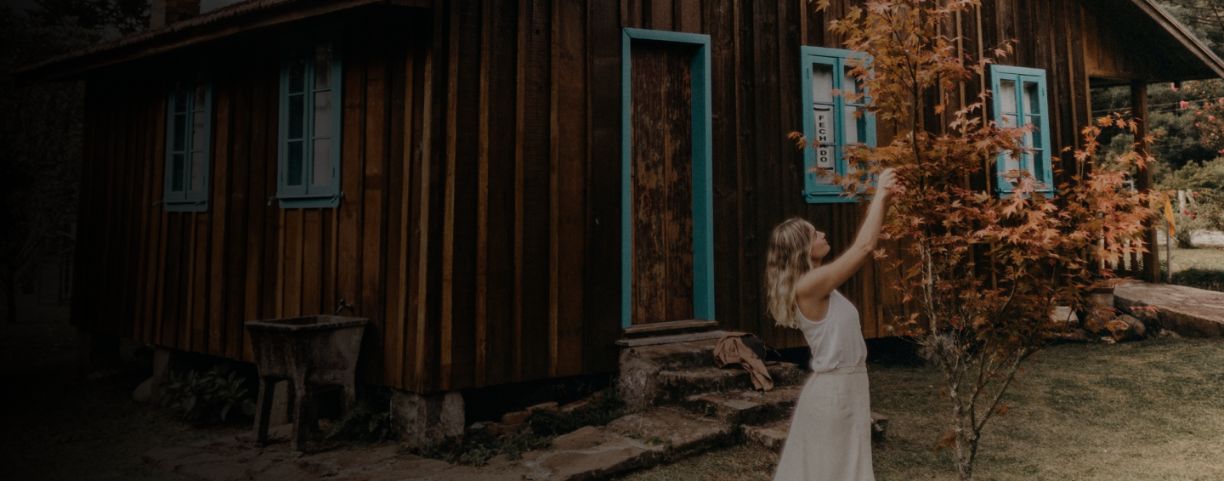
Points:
(683, 376)
(680, 404)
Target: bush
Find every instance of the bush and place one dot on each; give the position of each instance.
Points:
(209, 398)
(1206, 182)
(1210, 279)
(369, 421)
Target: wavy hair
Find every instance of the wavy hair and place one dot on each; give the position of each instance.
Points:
(787, 260)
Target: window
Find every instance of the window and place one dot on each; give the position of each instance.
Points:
(309, 150)
(188, 129)
(831, 122)
(1020, 100)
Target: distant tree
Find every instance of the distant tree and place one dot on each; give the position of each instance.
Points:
(41, 123)
(979, 272)
(93, 17)
(1204, 17)
(1205, 209)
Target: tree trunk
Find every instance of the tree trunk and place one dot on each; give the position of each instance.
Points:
(965, 453)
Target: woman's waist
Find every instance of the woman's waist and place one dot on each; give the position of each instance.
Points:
(860, 368)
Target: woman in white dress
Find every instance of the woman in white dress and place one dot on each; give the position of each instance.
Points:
(830, 433)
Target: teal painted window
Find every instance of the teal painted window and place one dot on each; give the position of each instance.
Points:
(188, 138)
(308, 173)
(1019, 99)
(832, 122)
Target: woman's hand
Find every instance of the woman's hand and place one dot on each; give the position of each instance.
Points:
(886, 182)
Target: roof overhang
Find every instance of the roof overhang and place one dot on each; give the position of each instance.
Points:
(242, 17)
(1183, 36)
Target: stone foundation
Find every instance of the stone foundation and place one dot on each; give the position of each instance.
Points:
(427, 420)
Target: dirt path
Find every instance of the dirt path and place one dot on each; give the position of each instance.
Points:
(60, 425)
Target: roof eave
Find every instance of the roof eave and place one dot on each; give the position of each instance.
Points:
(194, 31)
(1183, 36)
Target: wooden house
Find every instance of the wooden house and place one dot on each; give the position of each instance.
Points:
(503, 186)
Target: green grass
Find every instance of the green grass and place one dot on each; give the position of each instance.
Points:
(1201, 267)
(1151, 410)
(1206, 258)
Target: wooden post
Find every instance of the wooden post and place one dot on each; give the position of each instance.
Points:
(1151, 259)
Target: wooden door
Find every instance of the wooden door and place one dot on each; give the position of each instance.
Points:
(661, 191)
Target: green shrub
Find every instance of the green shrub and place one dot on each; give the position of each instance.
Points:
(370, 420)
(1210, 279)
(209, 398)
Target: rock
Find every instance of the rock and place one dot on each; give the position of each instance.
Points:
(546, 406)
(515, 418)
(582, 438)
(144, 392)
(1126, 328)
(879, 427)
(1103, 297)
(1071, 335)
(771, 436)
(576, 406)
(598, 463)
(1063, 314)
(499, 429)
(1185, 310)
(678, 431)
(1098, 318)
(638, 382)
(427, 420)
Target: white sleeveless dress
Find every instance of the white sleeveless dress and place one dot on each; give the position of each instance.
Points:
(830, 432)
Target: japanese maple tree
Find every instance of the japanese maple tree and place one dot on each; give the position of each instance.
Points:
(978, 272)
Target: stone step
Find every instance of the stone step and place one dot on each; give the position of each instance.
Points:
(773, 435)
(678, 355)
(678, 385)
(632, 442)
(746, 407)
(770, 436)
(1185, 310)
(668, 328)
(681, 432)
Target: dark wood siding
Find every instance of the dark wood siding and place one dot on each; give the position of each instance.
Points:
(480, 222)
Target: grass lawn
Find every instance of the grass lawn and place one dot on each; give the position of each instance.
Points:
(1209, 258)
(1150, 410)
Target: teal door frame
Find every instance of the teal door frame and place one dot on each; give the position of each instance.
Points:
(703, 196)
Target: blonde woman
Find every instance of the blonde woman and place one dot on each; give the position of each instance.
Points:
(830, 433)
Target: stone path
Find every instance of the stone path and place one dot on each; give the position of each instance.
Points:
(1185, 310)
(687, 406)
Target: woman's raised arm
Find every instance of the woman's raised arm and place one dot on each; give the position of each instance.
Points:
(821, 281)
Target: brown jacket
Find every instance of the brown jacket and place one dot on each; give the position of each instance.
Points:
(731, 349)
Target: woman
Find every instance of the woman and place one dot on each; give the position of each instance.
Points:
(830, 433)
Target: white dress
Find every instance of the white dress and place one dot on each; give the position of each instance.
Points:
(830, 432)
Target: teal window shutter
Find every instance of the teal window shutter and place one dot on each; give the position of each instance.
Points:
(308, 155)
(188, 143)
(831, 122)
(1019, 99)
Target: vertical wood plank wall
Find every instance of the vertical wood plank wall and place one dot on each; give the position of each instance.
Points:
(480, 169)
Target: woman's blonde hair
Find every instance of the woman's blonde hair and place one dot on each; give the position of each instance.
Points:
(787, 259)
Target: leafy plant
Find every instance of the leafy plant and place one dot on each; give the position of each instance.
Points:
(370, 420)
(1210, 279)
(208, 398)
(979, 273)
(1205, 184)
